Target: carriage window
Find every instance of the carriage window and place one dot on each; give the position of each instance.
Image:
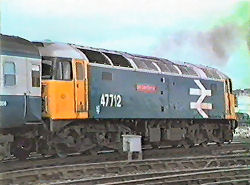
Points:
(35, 74)
(63, 70)
(9, 71)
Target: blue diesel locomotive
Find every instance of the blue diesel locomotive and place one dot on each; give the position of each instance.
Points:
(58, 98)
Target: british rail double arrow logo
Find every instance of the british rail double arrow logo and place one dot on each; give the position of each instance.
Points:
(199, 105)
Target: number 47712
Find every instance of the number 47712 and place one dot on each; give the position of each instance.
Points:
(111, 100)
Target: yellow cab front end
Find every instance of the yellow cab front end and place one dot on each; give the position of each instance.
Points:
(65, 90)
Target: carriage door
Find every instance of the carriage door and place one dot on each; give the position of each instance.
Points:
(80, 76)
(33, 95)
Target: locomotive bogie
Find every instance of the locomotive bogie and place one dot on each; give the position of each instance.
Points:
(185, 132)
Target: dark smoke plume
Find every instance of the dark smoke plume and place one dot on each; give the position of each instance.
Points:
(208, 47)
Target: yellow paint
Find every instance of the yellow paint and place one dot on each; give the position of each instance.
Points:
(80, 87)
(230, 106)
(66, 99)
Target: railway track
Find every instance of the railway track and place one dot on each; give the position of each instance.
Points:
(125, 171)
(38, 161)
(199, 176)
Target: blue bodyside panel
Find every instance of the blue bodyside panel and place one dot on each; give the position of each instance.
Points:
(34, 109)
(172, 99)
(14, 113)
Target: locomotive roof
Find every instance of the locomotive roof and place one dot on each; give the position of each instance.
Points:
(113, 58)
(162, 65)
(11, 45)
(59, 50)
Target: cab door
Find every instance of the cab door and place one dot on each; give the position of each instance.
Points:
(230, 101)
(80, 86)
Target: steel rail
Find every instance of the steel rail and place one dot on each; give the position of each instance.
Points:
(123, 167)
(166, 177)
(14, 164)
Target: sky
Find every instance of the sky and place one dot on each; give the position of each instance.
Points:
(209, 32)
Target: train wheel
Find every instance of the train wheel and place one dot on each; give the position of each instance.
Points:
(22, 148)
(2, 152)
(187, 143)
(155, 145)
(204, 144)
(21, 153)
(220, 142)
(60, 150)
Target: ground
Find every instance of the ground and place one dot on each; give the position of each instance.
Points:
(242, 134)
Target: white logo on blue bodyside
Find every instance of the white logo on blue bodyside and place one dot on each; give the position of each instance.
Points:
(98, 109)
(203, 93)
(3, 103)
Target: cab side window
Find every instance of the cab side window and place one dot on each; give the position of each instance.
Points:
(47, 69)
(229, 86)
(9, 72)
(79, 71)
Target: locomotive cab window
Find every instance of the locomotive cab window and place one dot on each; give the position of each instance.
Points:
(79, 71)
(63, 70)
(9, 71)
(229, 86)
(35, 74)
(47, 69)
